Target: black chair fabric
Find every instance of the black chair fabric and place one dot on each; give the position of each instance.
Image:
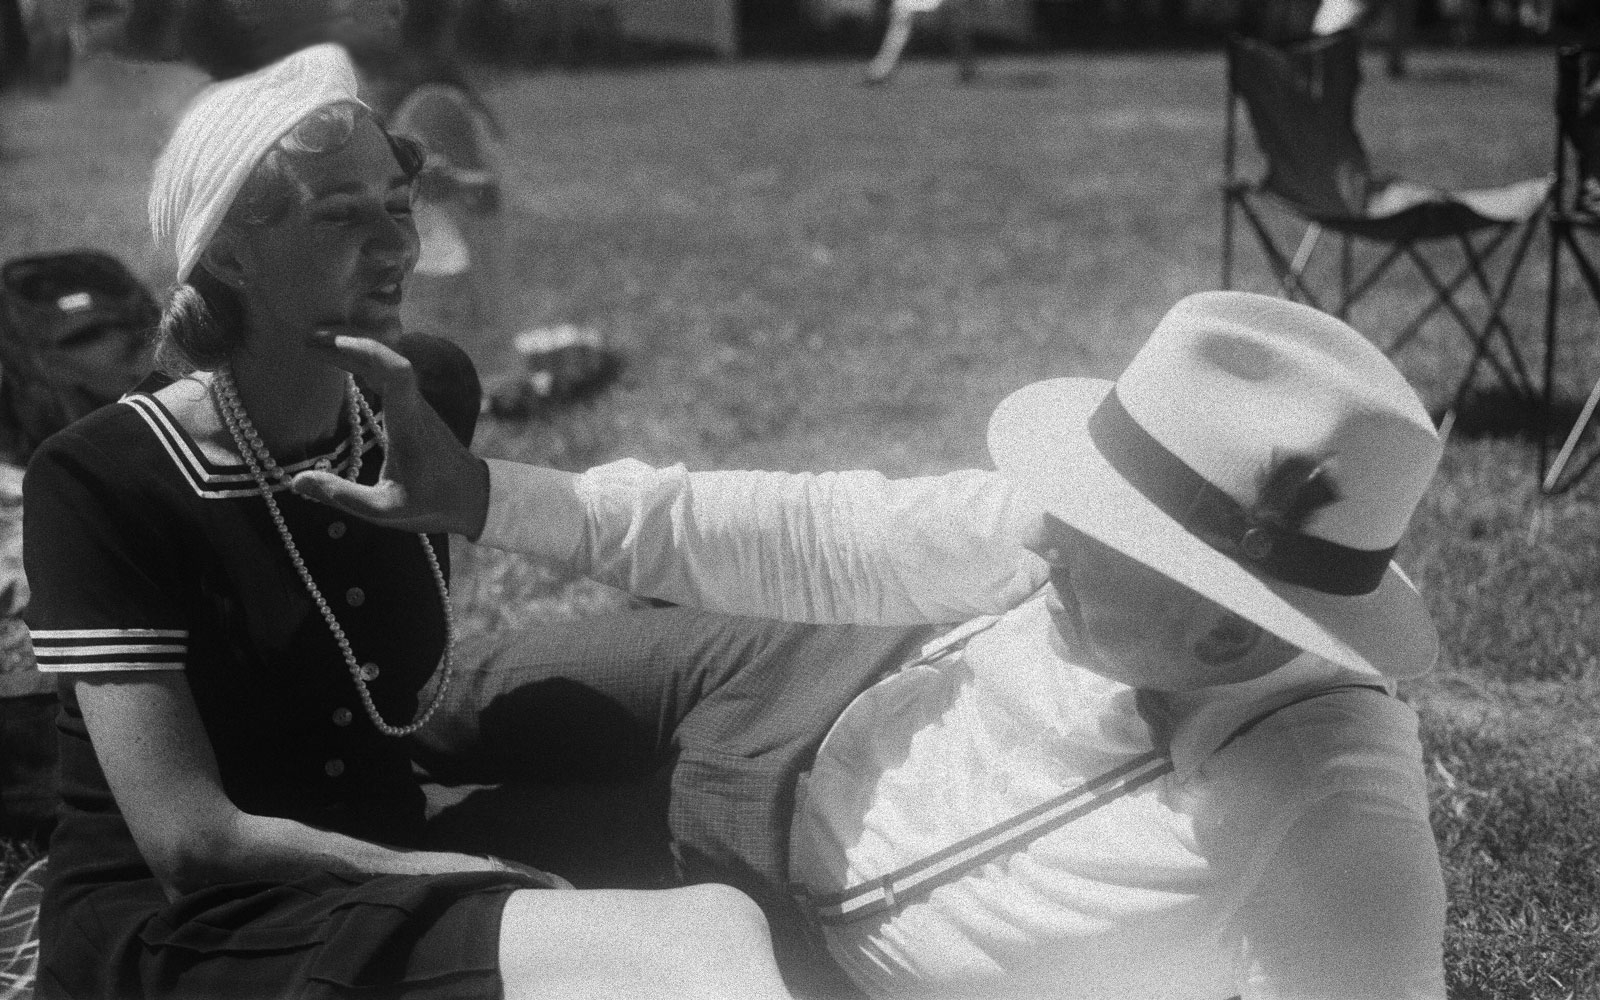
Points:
(1300, 98)
(1574, 224)
(1578, 119)
(1301, 102)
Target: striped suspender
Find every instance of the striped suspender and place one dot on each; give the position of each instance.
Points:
(947, 865)
(927, 874)
(951, 863)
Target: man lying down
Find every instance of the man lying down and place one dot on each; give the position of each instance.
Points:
(1115, 720)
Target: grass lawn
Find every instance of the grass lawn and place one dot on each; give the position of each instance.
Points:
(803, 273)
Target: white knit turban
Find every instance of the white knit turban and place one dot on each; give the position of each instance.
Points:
(225, 132)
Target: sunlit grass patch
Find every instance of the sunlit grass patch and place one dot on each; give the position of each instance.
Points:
(1517, 817)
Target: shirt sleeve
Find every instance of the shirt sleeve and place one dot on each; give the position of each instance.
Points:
(104, 584)
(1344, 894)
(1351, 908)
(825, 547)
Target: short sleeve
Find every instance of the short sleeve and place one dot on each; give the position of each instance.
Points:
(1351, 907)
(1342, 894)
(105, 579)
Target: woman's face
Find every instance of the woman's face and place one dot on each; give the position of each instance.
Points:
(1128, 622)
(340, 258)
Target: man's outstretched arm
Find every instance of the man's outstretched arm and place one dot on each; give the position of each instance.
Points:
(835, 546)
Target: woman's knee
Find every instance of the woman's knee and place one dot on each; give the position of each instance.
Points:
(714, 904)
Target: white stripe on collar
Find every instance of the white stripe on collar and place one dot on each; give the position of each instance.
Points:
(212, 481)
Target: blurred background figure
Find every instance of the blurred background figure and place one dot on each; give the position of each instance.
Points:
(957, 25)
(38, 39)
(1398, 17)
(460, 273)
(74, 336)
(1390, 21)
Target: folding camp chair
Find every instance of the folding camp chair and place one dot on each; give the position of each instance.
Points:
(1574, 211)
(1300, 98)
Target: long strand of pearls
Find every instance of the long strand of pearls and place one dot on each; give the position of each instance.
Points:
(261, 464)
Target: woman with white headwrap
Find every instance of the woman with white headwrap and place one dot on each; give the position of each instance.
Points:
(240, 665)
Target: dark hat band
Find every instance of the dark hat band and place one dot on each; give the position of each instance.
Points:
(1220, 521)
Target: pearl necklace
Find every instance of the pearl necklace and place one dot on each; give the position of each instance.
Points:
(256, 456)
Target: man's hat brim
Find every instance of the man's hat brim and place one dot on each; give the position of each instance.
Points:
(1038, 437)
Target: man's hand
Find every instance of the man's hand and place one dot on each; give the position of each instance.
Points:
(429, 482)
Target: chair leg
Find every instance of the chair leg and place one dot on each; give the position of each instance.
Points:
(1573, 436)
(1517, 380)
(1412, 328)
(1346, 263)
(1494, 325)
(1551, 484)
(1551, 307)
(1227, 238)
(1302, 254)
(1289, 280)
(1372, 276)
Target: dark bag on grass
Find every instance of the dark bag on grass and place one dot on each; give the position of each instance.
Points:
(74, 334)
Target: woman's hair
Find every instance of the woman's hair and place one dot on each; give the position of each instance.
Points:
(203, 323)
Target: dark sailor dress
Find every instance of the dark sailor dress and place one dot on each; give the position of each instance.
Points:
(146, 556)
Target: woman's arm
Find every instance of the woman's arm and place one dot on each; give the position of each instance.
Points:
(161, 768)
(1350, 907)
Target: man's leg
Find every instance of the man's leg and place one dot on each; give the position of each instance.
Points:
(598, 699)
(743, 749)
(726, 711)
(554, 744)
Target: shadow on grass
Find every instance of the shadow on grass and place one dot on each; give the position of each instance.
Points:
(1454, 75)
(1025, 79)
(1499, 413)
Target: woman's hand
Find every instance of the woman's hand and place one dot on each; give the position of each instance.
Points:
(429, 482)
(163, 772)
(537, 877)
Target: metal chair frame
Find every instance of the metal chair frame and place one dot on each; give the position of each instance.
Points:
(1567, 219)
(1243, 197)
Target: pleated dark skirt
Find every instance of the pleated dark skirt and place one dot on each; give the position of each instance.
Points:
(416, 937)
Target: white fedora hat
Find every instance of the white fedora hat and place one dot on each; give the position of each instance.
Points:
(1260, 453)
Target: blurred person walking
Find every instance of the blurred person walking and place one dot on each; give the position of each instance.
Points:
(955, 17)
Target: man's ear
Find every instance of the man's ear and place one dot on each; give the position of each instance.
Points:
(1230, 639)
(1043, 534)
